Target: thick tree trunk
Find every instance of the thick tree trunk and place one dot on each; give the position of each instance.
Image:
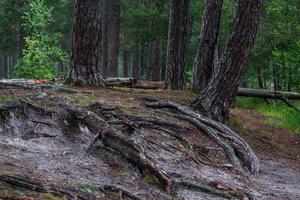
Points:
(125, 63)
(110, 37)
(86, 47)
(221, 91)
(207, 44)
(177, 44)
(137, 61)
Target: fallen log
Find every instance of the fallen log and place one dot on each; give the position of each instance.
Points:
(266, 94)
(127, 81)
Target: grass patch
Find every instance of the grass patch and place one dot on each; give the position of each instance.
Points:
(280, 115)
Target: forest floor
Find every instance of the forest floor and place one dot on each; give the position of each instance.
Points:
(52, 163)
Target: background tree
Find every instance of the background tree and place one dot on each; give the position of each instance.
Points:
(219, 95)
(110, 40)
(177, 44)
(42, 53)
(86, 47)
(207, 44)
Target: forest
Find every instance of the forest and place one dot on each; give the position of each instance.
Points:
(149, 99)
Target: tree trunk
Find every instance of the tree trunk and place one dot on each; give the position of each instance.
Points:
(5, 64)
(150, 67)
(125, 63)
(110, 37)
(157, 58)
(86, 47)
(277, 85)
(218, 97)
(207, 44)
(177, 44)
(1, 66)
(137, 61)
(259, 77)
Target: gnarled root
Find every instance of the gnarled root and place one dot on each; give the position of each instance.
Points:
(235, 147)
(118, 141)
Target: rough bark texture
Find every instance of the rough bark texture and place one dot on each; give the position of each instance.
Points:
(86, 47)
(177, 44)
(137, 61)
(150, 65)
(125, 63)
(157, 57)
(221, 91)
(110, 37)
(207, 44)
(235, 147)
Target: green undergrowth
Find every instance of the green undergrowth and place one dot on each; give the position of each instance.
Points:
(278, 113)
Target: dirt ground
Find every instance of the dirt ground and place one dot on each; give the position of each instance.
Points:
(62, 160)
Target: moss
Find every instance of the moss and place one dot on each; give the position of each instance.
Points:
(125, 174)
(88, 186)
(184, 145)
(201, 150)
(235, 122)
(6, 98)
(150, 178)
(4, 116)
(47, 196)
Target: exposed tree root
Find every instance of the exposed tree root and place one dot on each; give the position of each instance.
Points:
(231, 142)
(122, 192)
(36, 186)
(118, 141)
(216, 189)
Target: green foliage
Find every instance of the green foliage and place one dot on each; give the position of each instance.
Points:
(42, 53)
(280, 115)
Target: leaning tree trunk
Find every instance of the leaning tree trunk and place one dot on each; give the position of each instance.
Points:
(177, 44)
(207, 44)
(85, 56)
(110, 37)
(222, 88)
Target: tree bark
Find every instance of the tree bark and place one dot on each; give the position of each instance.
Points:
(150, 67)
(219, 95)
(177, 44)
(125, 63)
(157, 58)
(110, 37)
(86, 47)
(259, 78)
(246, 92)
(207, 44)
(137, 61)
(276, 81)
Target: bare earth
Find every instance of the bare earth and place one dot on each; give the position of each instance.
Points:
(60, 159)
